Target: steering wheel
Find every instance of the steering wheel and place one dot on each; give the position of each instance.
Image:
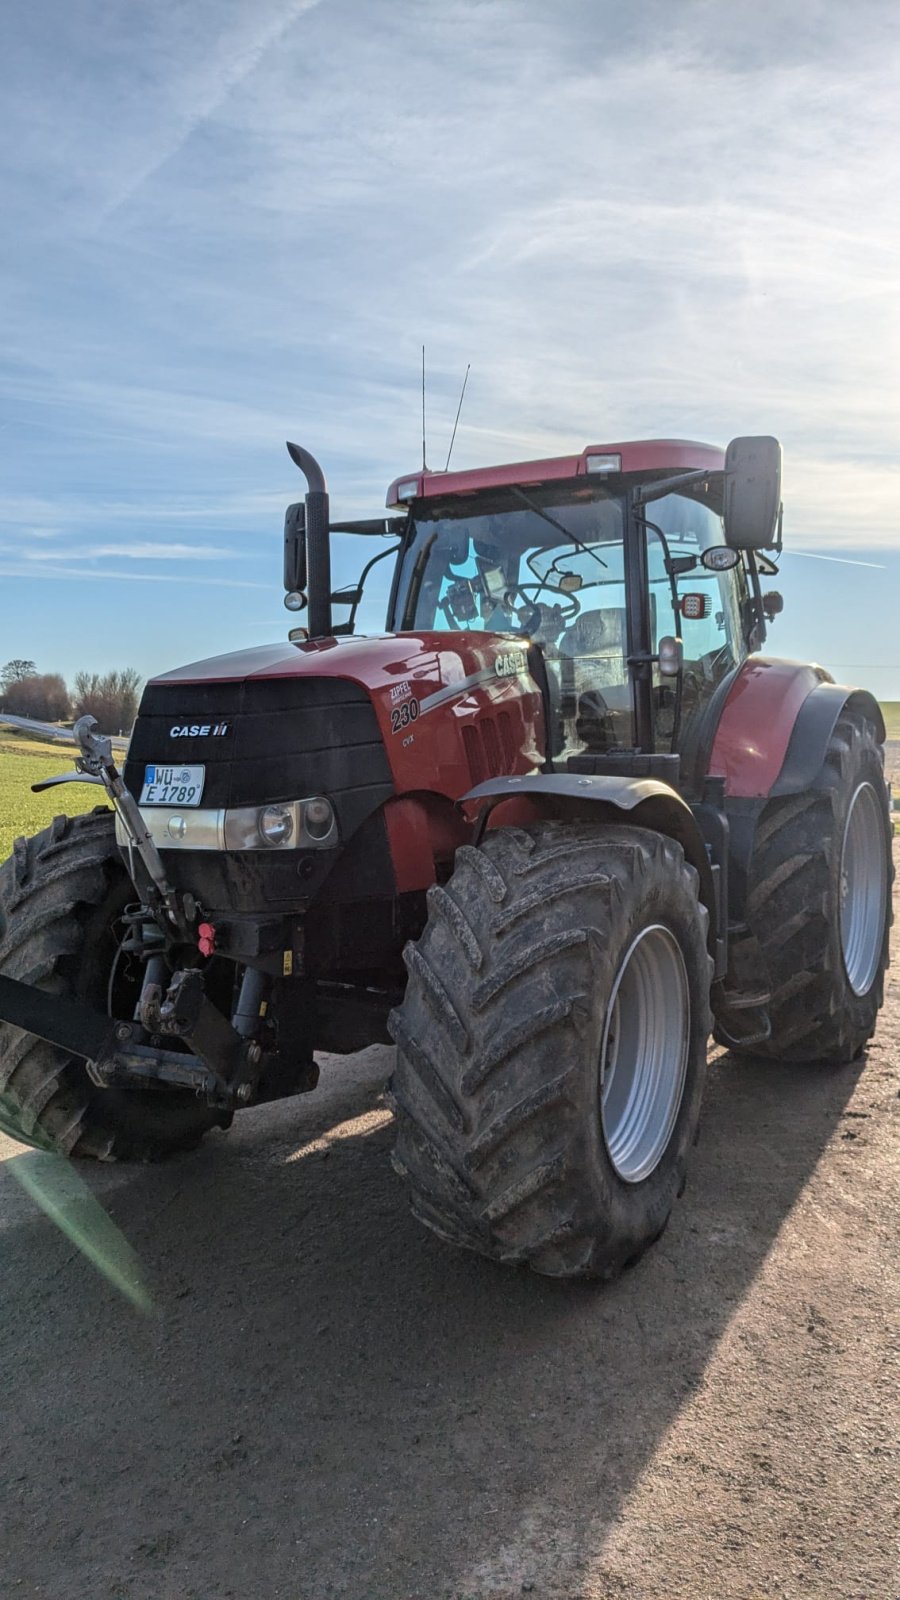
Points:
(566, 607)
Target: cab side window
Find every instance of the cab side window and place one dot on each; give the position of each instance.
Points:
(708, 620)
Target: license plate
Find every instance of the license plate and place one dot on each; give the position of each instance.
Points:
(172, 786)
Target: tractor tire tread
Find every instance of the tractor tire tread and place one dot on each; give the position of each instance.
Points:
(793, 909)
(499, 1158)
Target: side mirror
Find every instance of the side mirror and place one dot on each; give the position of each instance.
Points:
(752, 492)
(295, 547)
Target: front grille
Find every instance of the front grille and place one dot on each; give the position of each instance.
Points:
(286, 738)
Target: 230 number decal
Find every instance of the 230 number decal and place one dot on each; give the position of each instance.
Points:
(402, 716)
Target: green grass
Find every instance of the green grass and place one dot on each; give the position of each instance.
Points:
(22, 764)
(891, 712)
(15, 743)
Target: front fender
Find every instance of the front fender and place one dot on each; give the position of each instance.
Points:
(645, 802)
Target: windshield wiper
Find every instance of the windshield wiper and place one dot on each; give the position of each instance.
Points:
(539, 511)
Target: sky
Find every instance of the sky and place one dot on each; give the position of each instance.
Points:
(232, 222)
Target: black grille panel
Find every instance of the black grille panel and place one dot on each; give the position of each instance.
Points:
(286, 737)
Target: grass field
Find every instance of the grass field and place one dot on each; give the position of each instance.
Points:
(25, 761)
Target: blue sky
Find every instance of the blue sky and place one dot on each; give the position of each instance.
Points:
(229, 223)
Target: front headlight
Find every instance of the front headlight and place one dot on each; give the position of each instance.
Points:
(276, 824)
(285, 825)
(309, 824)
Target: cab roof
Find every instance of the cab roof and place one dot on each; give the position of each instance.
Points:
(635, 455)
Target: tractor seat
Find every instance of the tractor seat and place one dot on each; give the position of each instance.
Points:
(595, 694)
(595, 646)
(596, 633)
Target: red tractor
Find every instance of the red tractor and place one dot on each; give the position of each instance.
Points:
(547, 832)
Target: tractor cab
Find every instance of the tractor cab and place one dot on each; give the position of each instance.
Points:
(615, 565)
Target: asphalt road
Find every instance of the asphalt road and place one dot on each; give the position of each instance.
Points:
(320, 1400)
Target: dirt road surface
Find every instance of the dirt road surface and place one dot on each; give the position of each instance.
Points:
(326, 1402)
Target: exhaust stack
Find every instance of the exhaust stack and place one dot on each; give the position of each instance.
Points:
(318, 548)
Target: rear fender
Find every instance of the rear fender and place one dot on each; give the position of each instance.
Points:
(816, 721)
(772, 741)
(775, 726)
(642, 802)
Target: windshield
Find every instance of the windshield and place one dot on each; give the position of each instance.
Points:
(506, 568)
(496, 568)
(554, 572)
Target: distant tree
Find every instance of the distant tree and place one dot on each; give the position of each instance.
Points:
(111, 697)
(14, 672)
(43, 696)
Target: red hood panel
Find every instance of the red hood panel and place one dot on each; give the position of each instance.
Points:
(434, 659)
(355, 658)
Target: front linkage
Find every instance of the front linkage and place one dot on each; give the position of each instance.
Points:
(224, 1066)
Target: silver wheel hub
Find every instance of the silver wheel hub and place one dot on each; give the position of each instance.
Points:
(644, 1053)
(863, 889)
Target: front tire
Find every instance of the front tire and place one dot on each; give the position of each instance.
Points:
(551, 1046)
(61, 895)
(819, 903)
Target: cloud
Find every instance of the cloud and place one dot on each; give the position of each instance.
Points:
(21, 511)
(233, 58)
(141, 550)
(842, 503)
(13, 569)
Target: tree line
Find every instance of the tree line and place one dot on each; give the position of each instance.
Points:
(111, 697)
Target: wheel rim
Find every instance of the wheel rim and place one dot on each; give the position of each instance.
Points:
(644, 1053)
(863, 889)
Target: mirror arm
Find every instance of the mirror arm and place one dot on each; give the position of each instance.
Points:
(375, 527)
(654, 491)
(355, 596)
(757, 601)
(677, 566)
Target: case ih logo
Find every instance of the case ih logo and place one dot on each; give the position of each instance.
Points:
(509, 664)
(199, 730)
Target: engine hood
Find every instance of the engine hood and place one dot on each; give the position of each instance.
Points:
(437, 660)
(434, 695)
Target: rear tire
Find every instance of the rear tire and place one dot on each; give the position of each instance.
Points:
(819, 903)
(551, 1046)
(61, 894)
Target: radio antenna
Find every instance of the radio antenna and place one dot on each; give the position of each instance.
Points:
(458, 410)
(424, 467)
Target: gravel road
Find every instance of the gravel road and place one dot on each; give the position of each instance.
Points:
(323, 1401)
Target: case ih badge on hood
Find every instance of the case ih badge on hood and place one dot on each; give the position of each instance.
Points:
(552, 826)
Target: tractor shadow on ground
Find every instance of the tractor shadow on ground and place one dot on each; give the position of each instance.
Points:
(327, 1400)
